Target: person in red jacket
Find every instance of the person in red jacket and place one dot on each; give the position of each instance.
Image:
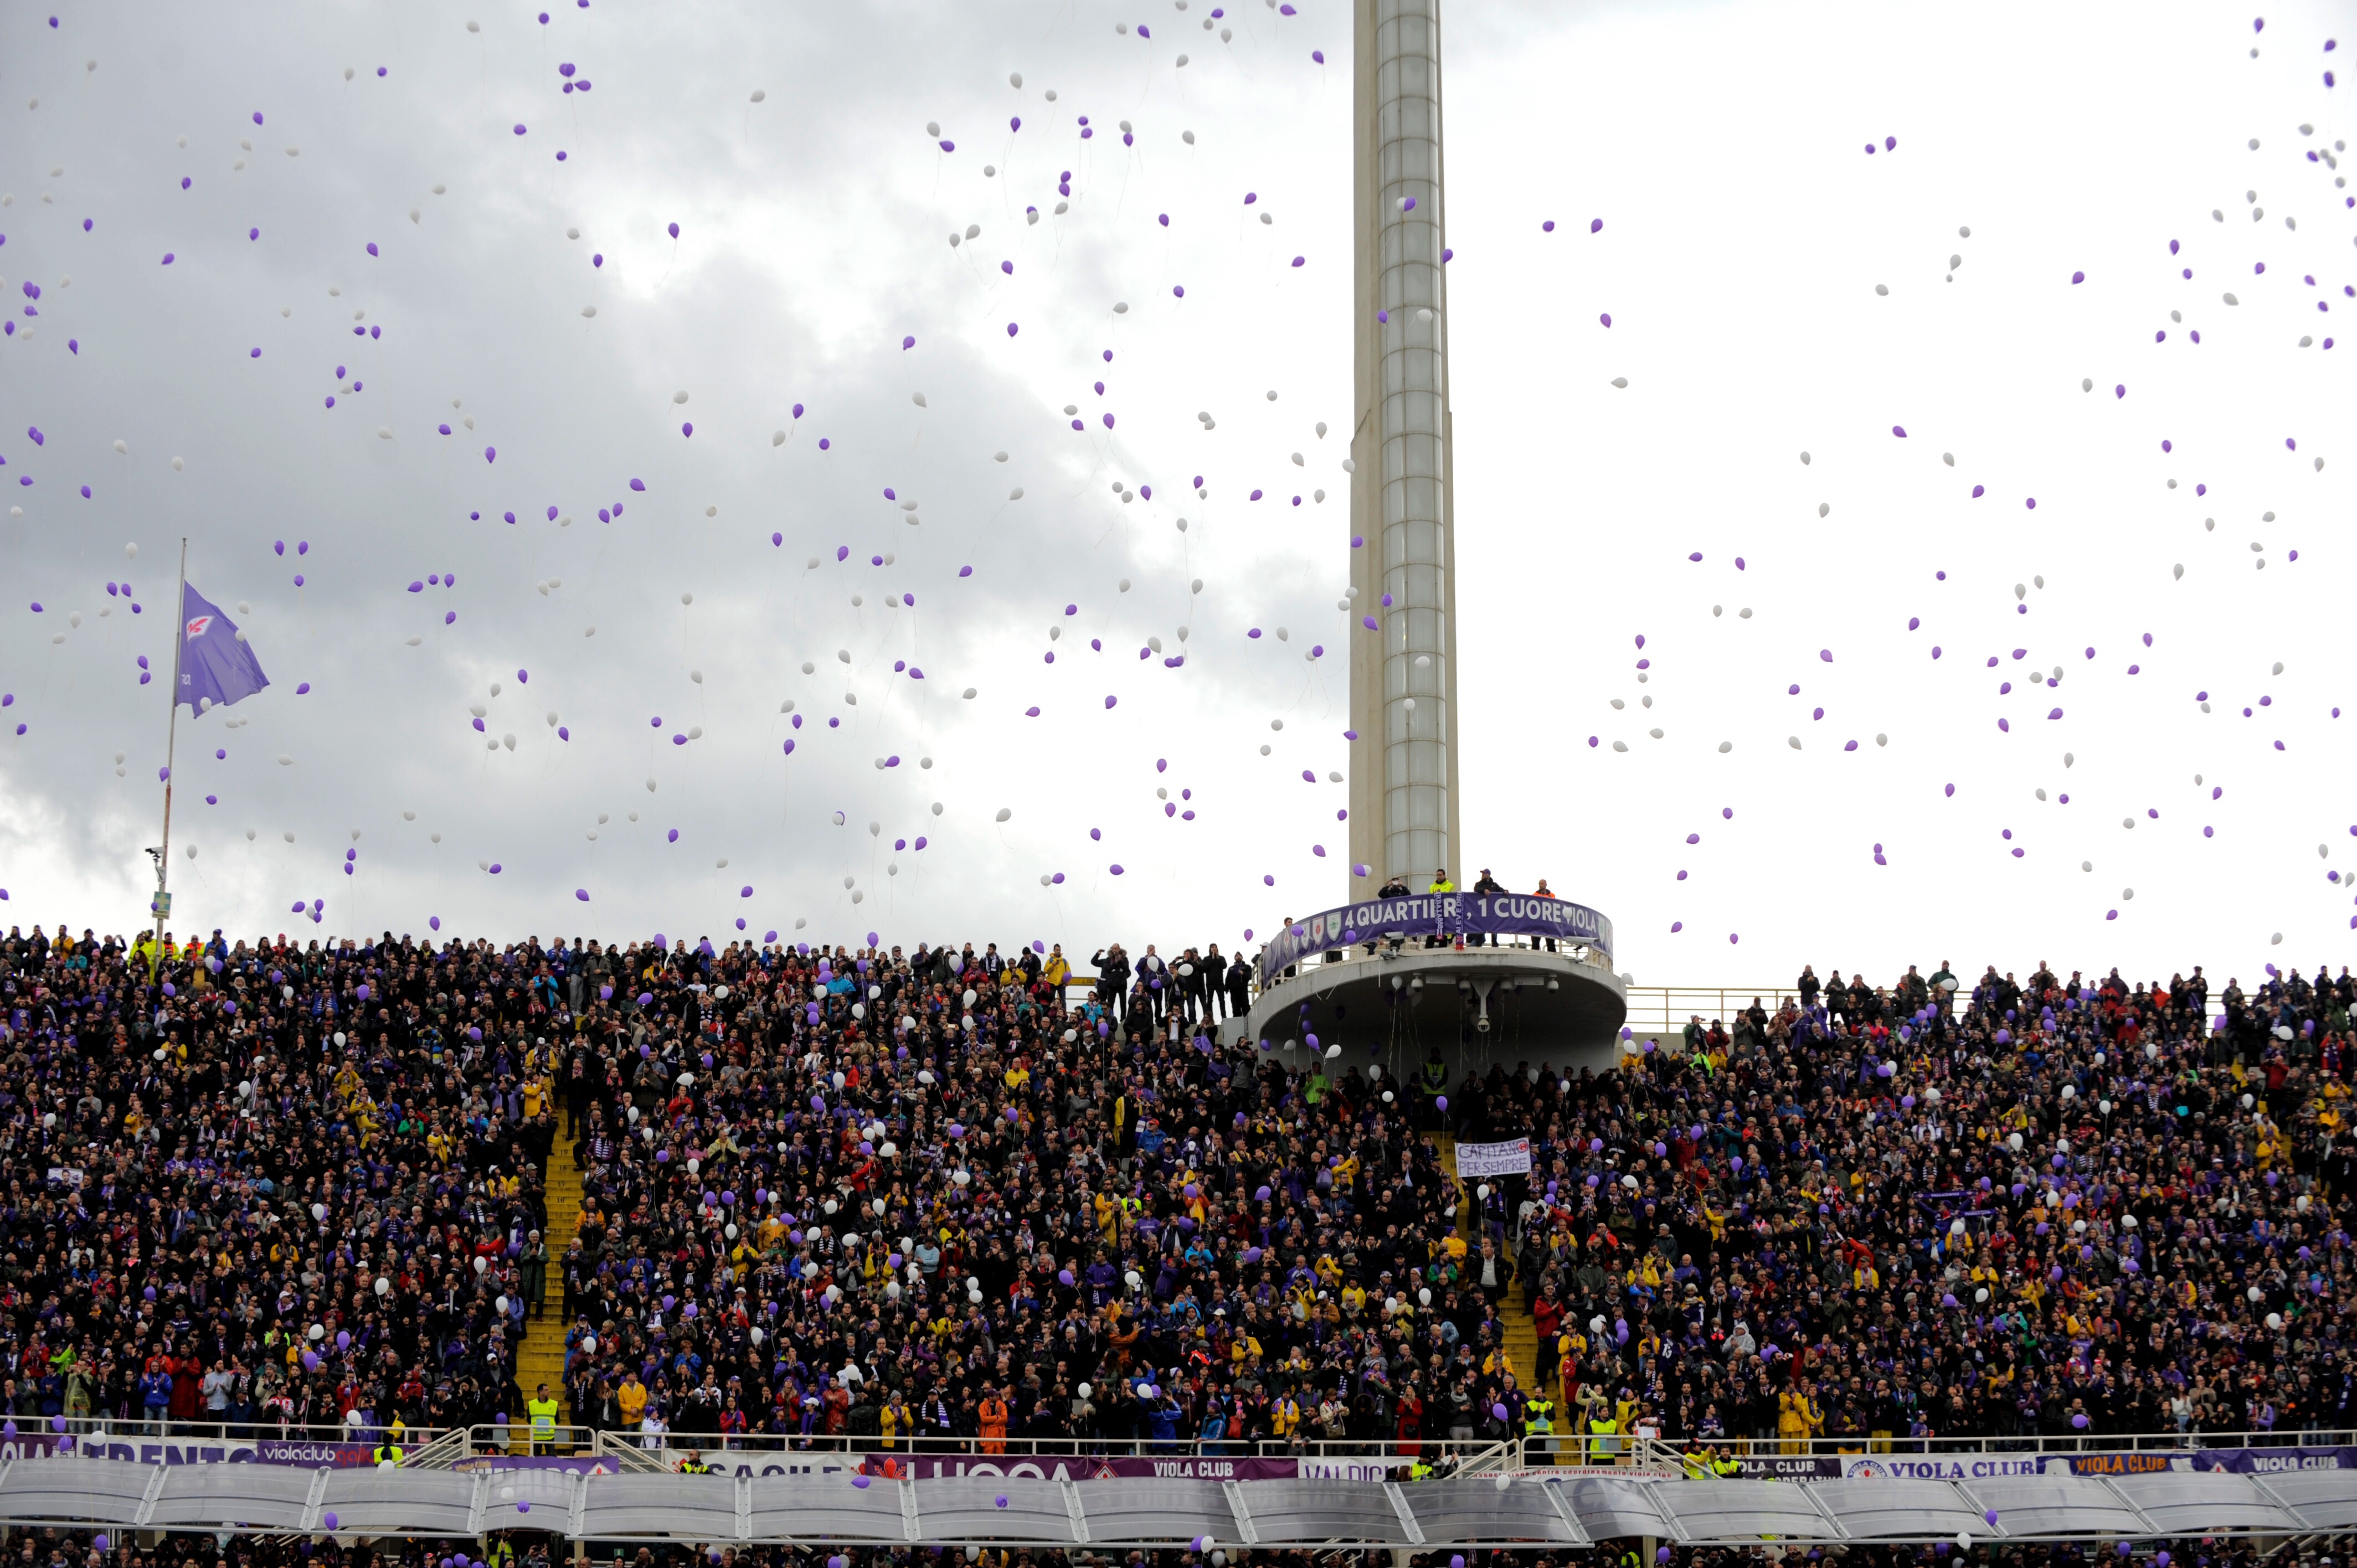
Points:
(1547, 1317)
(1409, 1407)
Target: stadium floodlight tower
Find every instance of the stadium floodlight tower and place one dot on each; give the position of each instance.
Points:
(1484, 979)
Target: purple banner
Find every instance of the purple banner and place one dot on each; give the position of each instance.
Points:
(33, 1445)
(1449, 915)
(2272, 1461)
(1983, 1466)
(1188, 1467)
(2143, 1462)
(1080, 1467)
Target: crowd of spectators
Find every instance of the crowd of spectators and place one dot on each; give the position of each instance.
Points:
(1993, 1208)
(866, 1195)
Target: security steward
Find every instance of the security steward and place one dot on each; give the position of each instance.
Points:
(1538, 1423)
(1604, 1434)
(389, 1452)
(544, 1412)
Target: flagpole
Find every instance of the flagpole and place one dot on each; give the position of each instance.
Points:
(162, 907)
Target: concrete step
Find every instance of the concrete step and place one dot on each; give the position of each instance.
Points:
(1514, 1310)
(540, 1358)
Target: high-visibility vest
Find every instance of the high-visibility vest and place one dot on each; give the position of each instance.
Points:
(1540, 1416)
(388, 1453)
(544, 1418)
(1726, 1464)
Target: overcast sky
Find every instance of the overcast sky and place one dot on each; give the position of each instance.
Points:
(1748, 240)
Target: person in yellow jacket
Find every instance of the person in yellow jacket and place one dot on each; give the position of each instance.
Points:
(544, 1412)
(1798, 1418)
(632, 1399)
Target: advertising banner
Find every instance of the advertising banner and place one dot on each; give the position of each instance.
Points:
(1080, 1467)
(314, 1456)
(1789, 1468)
(1945, 1466)
(162, 1450)
(2272, 1461)
(1981, 1467)
(128, 1449)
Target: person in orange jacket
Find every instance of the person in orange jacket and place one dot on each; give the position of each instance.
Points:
(992, 1415)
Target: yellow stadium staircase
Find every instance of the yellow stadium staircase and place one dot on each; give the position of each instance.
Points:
(1514, 1310)
(542, 1358)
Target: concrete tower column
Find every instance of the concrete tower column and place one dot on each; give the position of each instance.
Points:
(1403, 811)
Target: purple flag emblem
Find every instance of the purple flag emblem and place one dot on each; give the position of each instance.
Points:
(217, 666)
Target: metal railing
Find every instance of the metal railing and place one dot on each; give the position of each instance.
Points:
(1655, 1012)
(1660, 1012)
(516, 1437)
(628, 1450)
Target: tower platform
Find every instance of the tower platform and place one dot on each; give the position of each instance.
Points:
(1439, 973)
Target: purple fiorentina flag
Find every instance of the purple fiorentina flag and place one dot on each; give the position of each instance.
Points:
(217, 666)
